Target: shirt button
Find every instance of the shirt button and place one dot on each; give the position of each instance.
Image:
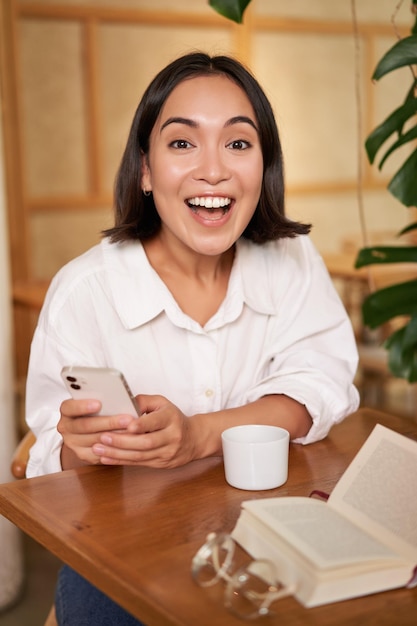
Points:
(209, 393)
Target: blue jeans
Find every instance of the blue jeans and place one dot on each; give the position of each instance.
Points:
(78, 603)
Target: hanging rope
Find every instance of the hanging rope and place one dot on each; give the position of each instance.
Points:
(359, 136)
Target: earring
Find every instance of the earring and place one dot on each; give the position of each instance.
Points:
(146, 192)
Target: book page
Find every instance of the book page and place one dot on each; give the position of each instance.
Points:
(378, 491)
(318, 532)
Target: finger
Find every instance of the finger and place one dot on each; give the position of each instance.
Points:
(86, 424)
(117, 456)
(148, 403)
(163, 458)
(129, 442)
(77, 408)
(110, 455)
(148, 422)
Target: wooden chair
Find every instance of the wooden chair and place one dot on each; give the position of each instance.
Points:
(21, 455)
(18, 469)
(374, 374)
(374, 377)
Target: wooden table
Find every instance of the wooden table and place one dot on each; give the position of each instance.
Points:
(342, 265)
(133, 531)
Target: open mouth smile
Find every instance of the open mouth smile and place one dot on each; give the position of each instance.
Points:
(210, 202)
(210, 207)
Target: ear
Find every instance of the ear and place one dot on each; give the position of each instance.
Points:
(145, 174)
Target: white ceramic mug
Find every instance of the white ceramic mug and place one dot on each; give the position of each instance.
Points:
(255, 456)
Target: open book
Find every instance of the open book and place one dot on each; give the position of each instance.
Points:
(361, 541)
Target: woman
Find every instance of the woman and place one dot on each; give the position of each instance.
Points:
(214, 305)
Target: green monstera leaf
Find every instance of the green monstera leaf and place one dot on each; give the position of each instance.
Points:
(400, 300)
(232, 9)
(384, 305)
(402, 351)
(404, 52)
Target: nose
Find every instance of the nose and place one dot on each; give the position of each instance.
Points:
(211, 165)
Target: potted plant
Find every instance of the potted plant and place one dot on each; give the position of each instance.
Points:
(398, 300)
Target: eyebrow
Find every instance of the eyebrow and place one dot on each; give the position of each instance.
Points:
(238, 119)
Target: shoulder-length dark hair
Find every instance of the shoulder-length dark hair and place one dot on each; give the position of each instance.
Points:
(136, 216)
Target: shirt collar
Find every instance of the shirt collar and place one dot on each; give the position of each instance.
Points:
(257, 274)
(139, 295)
(134, 284)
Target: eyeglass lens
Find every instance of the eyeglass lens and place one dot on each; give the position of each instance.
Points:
(214, 560)
(250, 590)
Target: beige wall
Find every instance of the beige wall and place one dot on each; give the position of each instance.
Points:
(302, 52)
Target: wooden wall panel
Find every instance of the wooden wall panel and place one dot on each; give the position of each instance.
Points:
(316, 123)
(335, 215)
(368, 11)
(58, 236)
(178, 6)
(53, 108)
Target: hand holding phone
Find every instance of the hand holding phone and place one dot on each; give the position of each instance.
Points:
(104, 384)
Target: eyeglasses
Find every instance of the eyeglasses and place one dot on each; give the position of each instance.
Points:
(250, 590)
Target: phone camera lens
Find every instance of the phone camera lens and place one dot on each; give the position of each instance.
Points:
(71, 379)
(74, 386)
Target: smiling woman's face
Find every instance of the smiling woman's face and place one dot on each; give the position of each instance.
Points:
(205, 164)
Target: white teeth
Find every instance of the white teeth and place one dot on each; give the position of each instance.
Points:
(209, 202)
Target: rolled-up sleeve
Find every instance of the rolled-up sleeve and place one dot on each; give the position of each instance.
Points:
(66, 334)
(311, 353)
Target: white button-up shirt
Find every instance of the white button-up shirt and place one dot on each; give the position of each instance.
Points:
(281, 329)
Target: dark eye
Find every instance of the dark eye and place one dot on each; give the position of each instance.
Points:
(239, 144)
(180, 144)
